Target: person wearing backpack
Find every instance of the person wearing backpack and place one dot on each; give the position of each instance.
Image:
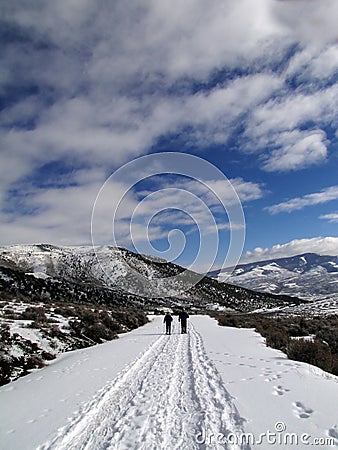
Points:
(167, 320)
(182, 317)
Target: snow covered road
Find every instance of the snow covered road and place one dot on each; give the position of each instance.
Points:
(152, 391)
(160, 402)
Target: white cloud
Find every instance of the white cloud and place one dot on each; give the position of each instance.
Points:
(294, 204)
(110, 132)
(59, 216)
(102, 81)
(246, 190)
(309, 21)
(314, 64)
(188, 38)
(333, 217)
(292, 110)
(275, 129)
(213, 192)
(176, 203)
(319, 245)
(298, 149)
(97, 58)
(213, 115)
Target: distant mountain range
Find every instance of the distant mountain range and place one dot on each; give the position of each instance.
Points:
(80, 274)
(308, 276)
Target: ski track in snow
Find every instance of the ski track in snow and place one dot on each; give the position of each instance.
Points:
(163, 400)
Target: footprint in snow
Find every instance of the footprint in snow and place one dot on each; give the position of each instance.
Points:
(272, 377)
(247, 379)
(279, 390)
(301, 411)
(31, 421)
(333, 432)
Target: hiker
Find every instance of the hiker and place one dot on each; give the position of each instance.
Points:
(167, 320)
(182, 317)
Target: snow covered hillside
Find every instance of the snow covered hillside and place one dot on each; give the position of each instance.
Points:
(31, 334)
(108, 273)
(213, 388)
(308, 276)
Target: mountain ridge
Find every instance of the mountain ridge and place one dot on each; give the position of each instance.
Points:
(308, 276)
(114, 272)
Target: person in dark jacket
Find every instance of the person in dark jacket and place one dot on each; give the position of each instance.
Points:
(182, 317)
(167, 320)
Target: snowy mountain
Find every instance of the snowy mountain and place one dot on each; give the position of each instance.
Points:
(308, 276)
(106, 274)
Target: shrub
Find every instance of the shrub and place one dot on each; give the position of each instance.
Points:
(335, 364)
(98, 332)
(228, 321)
(31, 362)
(89, 317)
(130, 318)
(274, 333)
(108, 322)
(329, 334)
(277, 339)
(6, 369)
(4, 334)
(37, 314)
(55, 332)
(311, 352)
(65, 311)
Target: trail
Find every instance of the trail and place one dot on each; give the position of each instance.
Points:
(164, 400)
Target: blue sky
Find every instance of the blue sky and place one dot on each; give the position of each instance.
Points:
(251, 87)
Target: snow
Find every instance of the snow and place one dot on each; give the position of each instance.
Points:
(149, 391)
(307, 277)
(269, 388)
(6, 278)
(40, 275)
(310, 338)
(21, 328)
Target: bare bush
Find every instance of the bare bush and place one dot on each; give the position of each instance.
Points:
(311, 352)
